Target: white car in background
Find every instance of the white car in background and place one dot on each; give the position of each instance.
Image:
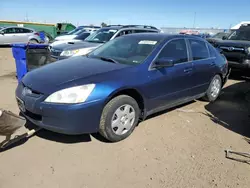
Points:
(14, 34)
(78, 38)
(74, 33)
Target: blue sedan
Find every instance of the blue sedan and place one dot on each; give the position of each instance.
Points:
(124, 81)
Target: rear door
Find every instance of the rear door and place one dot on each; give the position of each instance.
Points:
(23, 34)
(204, 64)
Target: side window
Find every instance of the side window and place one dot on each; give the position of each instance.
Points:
(19, 30)
(10, 30)
(175, 50)
(26, 30)
(211, 50)
(144, 31)
(199, 49)
(124, 32)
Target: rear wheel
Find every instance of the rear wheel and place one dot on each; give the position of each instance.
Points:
(119, 118)
(214, 89)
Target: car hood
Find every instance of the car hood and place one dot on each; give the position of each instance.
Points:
(58, 42)
(61, 74)
(234, 43)
(75, 45)
(65, 37)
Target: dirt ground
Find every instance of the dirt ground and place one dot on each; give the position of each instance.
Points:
(181, 147)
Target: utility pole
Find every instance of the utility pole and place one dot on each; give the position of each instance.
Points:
(194, 19)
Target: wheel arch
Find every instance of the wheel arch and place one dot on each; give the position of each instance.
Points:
(135, 94)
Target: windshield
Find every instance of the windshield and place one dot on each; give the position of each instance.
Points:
(101, 36)
(76, 30)
(82, 36)
(220, 35)
(240, 35)
(126, 50)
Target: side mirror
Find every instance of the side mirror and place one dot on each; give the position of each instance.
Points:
(224, 38)
(2, 32)
(164, 62)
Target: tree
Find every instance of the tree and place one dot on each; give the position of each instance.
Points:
(103, 24)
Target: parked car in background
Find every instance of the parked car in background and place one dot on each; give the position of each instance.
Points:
(236, 48)
(97, 39)
(79, 38)
(217, 37)
(77, 31)
(126, 79)
(9, 35)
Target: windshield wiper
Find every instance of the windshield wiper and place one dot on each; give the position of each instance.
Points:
(108, 59)
(94, 41)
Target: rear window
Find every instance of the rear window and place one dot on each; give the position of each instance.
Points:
(211, 51)
(199, 49)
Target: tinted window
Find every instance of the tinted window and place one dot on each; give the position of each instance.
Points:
(175, 50)
(22, 30)
(82, 36)
(240, 34)
(211, 51)
(125, 32)
(199, 49)
(9, 30)
(144, 31)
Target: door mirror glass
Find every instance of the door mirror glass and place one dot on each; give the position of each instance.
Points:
(164, 62)
(2, 32)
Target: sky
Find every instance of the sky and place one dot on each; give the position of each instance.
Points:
(159, 13)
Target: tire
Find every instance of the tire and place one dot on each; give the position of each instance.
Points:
(211, 94)
(113, 114)
(33, 41)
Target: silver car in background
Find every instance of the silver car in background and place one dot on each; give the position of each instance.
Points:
(10, 35)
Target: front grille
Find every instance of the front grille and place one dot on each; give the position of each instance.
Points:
(235, 54)
(230, 49)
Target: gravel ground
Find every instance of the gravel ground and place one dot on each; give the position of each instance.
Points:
(181, 147)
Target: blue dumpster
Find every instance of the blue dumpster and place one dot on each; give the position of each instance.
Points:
(29, 56)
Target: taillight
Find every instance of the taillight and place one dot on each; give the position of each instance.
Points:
(37, 34)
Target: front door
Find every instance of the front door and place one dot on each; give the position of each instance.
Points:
(170, 85)
(204, 65)
(8, 36)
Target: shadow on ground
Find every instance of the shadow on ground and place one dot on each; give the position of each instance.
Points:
(231, 110)
(67, 139)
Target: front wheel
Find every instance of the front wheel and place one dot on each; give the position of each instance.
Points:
(214, 89)
(119, 118)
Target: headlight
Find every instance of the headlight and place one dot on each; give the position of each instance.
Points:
(73, 95)
(84, 51)
(69, 52)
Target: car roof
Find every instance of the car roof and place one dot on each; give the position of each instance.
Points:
(127, 27)
(162, 36)
(6, 27)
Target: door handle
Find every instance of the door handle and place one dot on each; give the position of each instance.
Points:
(188, 70)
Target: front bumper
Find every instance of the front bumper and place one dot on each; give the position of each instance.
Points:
(67, 119)
(57, 58)
(237, 65)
